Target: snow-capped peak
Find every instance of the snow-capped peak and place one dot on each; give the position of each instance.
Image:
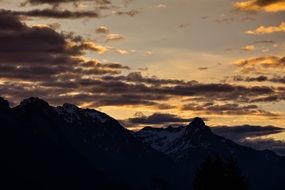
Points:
(72, 113)
(161, 138)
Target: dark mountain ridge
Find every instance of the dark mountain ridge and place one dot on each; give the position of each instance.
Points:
(41, 141)
(192, 144)
(46, 147)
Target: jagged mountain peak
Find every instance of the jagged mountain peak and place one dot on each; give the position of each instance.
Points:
(197, 122)
(197, 125)
(71, 113)
(34, 101)
(4, 104)
(70, 107)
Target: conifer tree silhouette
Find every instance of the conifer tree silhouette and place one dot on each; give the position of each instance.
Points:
(216, 174)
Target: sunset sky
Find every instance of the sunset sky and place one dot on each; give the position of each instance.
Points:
(149, 62)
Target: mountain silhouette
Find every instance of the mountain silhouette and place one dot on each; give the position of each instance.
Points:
(41, 142)
(47, 147)
(189, 146)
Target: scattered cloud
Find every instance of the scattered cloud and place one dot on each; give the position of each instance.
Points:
(148, 53)
(114, 37)
(89, 45)
(127, 13)
(161, 6)
(203, 68)
(183, 25)
(121, 51)
(248, 48)
(259, 65)
(102, 30)
(267, 29)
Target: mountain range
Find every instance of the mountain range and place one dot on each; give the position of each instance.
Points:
(47, 147)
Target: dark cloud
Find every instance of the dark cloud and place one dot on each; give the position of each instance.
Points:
(266, 144)
(58, 2)
(203, 68)
(253, 136)
(41, 53)
(261, 78)
(251, 79)
(273, 98)
(240, 132)
(21, 44)
(128, 13)
(55, 13)
(278, 79)
(225, 19)
(182, 26)
(157, 118)
(264, 42)
(267, 2)
(228, 109)
(137, 77)
(57, 9)
(39, 61)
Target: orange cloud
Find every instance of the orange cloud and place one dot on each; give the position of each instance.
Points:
(260, 65)
(95, 47)
(261, 5)
(114, 37)
(267, 29)
(121, 51)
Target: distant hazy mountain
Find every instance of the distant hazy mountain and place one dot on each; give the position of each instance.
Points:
(46, 147)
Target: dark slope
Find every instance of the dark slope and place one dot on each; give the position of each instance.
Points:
(45, 147)
(72, 147)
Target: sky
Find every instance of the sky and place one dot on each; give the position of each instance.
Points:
(149, 62)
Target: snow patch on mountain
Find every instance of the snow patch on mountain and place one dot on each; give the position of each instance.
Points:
(161, 139)
(72, 113)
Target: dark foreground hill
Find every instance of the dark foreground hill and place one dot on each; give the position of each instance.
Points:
(45, 147)
(79, 148)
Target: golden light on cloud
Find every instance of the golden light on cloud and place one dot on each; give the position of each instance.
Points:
(121, 51)
(114, 37)
(261, 5)
(260, 65)
(267, 29)
(103, 30)
(95, 47)
(153, 65)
